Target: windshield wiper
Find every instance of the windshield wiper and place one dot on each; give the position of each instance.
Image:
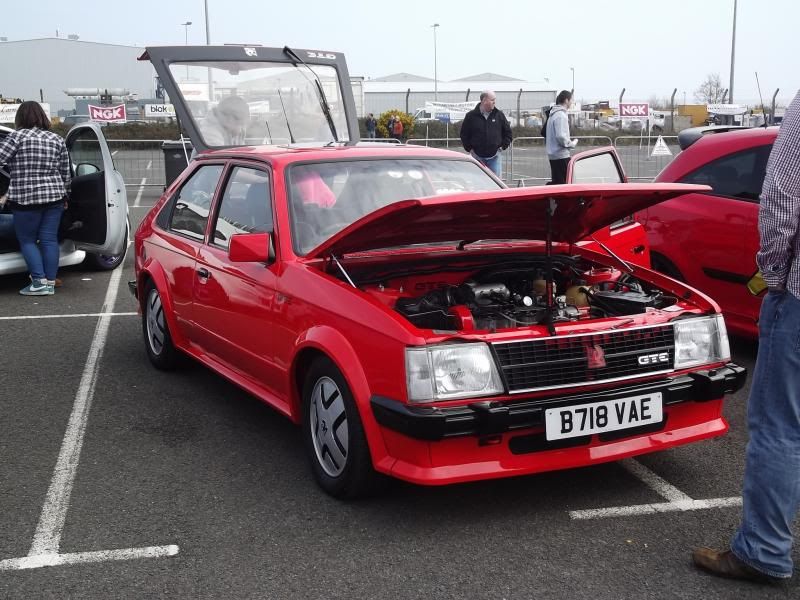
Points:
(323, 100)
(624, 263)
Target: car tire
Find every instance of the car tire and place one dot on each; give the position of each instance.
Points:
(334, 436)
(664, 265)
(157, 339)
(103, 262)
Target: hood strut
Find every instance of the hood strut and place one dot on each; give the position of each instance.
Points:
(550, 209)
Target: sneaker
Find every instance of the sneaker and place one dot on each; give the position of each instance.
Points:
(51, 286)
(37, 287)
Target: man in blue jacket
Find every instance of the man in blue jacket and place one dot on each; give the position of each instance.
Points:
(485, 131)
(557, 143)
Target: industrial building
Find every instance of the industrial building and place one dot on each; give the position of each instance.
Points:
(42, 69)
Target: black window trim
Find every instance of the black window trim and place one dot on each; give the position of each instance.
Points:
(170, 204)
(217, 202)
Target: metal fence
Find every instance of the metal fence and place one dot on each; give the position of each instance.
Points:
(636, 154)
(141, 162)
(525, 163)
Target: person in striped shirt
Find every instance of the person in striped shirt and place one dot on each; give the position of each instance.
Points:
(761, 548)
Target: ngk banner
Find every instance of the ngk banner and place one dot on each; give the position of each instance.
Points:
(108, 114)
(634, 109)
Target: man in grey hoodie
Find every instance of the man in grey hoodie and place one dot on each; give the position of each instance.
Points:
(558, 143)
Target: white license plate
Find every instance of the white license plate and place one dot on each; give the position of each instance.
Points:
(600, 417)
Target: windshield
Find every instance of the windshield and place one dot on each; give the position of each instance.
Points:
(253, 103)
(326, 197)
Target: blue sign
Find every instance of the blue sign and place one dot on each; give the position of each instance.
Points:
(443, 117)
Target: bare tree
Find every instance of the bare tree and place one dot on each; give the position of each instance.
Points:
(711, 90)
(657, 103)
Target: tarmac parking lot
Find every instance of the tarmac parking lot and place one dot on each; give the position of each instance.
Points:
(120, 481)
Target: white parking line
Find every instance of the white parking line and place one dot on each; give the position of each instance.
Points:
(47, 538)
(74, 558)
(149, 164)
(676, 499)
(139, 193)
(68, 316)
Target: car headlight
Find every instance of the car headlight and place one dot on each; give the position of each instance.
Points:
(701, 341)
(451, 371)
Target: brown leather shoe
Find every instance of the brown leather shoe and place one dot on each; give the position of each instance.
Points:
(724, 563)
(59, 283)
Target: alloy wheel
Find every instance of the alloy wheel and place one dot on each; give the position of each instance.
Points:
(155, 323)
(329, 431)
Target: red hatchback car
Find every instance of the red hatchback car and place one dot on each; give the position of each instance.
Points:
(710, 239)
(414, 317)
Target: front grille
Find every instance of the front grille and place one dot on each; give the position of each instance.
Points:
(573, 360)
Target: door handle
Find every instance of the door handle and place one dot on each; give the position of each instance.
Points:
(203, 273)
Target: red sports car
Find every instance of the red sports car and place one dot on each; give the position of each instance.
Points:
(414, 317)
(710, 239)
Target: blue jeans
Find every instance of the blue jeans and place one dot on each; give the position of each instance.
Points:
(493, 163)
(37, 232)
(6, 225)
(771, 494)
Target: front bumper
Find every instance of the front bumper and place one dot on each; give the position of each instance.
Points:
(488, 418)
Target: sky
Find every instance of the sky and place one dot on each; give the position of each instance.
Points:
(648, 47)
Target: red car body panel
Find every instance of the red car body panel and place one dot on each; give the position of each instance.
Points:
(259, 325)
(711, 240)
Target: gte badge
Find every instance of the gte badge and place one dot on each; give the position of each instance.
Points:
(653, 359)
(250, 52)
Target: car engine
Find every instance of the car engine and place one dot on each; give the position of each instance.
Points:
(515, 295)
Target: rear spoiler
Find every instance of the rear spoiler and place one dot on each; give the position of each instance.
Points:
(687, 137)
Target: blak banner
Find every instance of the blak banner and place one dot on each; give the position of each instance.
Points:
(108, 114)
(634, 109)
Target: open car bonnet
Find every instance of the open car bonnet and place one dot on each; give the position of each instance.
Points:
(510, 214)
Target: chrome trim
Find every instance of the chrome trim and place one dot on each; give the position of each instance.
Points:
(592, 383)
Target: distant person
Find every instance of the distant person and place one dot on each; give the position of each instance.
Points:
(397, 129)
(485, 131)
(390, 125)
(558, 144)
(39, 165)
(761, 550)
(371, 124)
(226, 123)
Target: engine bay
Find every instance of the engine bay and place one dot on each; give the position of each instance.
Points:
(513, 293)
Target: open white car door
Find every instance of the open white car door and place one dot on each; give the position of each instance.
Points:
(98, 205)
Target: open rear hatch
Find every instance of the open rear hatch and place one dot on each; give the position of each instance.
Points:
(250, 95)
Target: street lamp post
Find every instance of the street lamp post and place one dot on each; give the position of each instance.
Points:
(435, 26)
(186, 31)
(186, 42)
(573, 79)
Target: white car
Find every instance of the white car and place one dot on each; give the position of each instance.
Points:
(98, 207)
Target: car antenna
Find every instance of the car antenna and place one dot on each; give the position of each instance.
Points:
(323, 100)
(269, 132)
(289, 127)
(763, 110)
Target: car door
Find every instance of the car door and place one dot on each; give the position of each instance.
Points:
(233, 301)
(626, 238)
(723, 259)
(98, 205)
(181, 227)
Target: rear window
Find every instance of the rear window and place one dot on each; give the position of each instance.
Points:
(739, 175)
